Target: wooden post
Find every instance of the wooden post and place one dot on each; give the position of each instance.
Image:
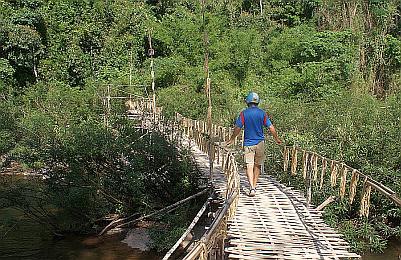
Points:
(326, 202)
(108, 106)
(222, 249)
(308, 185)
(151, 53)
(207, 88)
(104, 111)
(130, 68)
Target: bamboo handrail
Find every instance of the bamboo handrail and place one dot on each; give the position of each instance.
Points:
(343, 169)
(189, 229)
(201, 244)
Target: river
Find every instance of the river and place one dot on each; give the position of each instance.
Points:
(393, 252)
(26, 240)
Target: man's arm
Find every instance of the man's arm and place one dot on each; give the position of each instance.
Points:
(274, 134)
(236, 132)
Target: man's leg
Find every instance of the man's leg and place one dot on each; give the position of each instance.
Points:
(259, 160)
(249, 154)
(249, 160)
(250, 168)
(256, 173)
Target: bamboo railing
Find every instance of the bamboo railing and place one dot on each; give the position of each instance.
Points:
(179, 129)
(315, 167)
(212, 242)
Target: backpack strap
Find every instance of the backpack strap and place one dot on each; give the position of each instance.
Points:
(242, 118)
(265, 119)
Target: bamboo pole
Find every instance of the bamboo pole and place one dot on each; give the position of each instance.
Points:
(309, 185)
(326, 202)
(151, 53)
(172, 206)
(294, 161)
(189, 229)
(108, 106)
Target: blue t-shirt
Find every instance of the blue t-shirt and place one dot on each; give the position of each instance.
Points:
(253, 118)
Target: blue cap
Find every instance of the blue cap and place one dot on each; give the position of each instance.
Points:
(252, 98)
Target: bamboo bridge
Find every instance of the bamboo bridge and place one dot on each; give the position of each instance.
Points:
(279, 222)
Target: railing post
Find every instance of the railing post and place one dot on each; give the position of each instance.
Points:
(108, 106)
(308, 183)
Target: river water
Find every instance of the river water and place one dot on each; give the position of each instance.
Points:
(26, 240)
(393, 252)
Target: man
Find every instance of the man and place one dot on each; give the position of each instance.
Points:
(253, 119)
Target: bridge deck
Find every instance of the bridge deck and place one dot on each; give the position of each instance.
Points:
(275, 224)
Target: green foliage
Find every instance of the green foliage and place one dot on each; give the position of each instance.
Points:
(8, 128)
(292, 13)
(22, 39)
(312, 61)
(171, 227)
(92, 170)
(6, 71)
(6, 77)
(310, 64)
(180, 34)
(363, 237)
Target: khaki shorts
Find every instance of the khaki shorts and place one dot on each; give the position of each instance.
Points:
(255, 154)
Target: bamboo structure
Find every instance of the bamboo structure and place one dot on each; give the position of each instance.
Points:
(304, 164)
(354, 183)
(261, 237)
(286, 158)
(324, 167)
(275, 224)
(211, 241)
(294, 161)
(334, 172)
(151, 53)
(365, 200)
(310, 162)
(343, 181)
(314, 166)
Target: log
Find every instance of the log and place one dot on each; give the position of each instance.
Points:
(189, 229)
(384, 190)
(197, 250)
(163, 209)
(326, 202)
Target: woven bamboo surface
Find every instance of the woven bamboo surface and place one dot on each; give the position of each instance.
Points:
(275, 224)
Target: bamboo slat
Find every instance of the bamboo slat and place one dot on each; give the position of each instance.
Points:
(324, 167)
(294, 161)
(353, 185)
(343, 181)
(286, 158)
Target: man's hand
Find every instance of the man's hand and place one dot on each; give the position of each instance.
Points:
(274, 134)
(237, 130)
(229, 142)
(278, 141)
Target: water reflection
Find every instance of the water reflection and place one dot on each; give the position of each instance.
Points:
(393, 252)
(23, 239)
(109, 248)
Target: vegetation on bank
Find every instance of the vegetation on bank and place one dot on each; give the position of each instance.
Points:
(328, 72)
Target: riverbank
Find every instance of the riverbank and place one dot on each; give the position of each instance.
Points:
(392, 252)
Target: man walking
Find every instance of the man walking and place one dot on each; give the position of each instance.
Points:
(253, 119)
